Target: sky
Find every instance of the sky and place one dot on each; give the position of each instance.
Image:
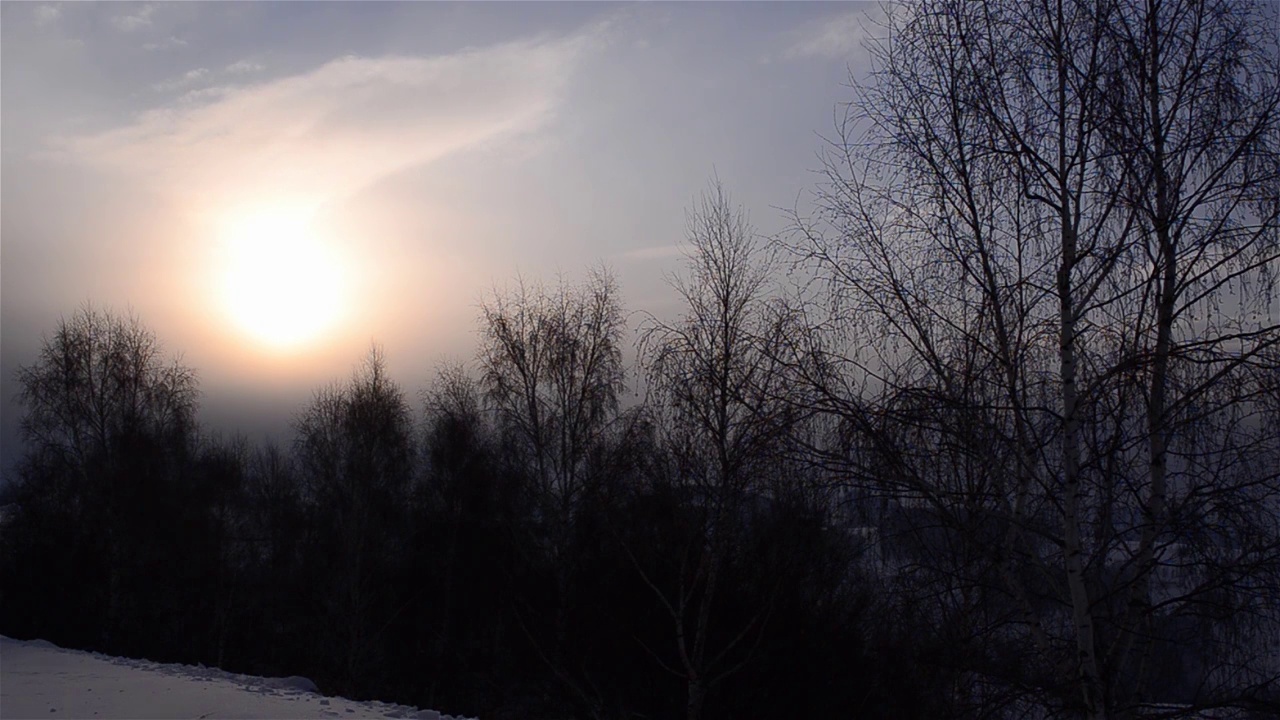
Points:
(271, 187)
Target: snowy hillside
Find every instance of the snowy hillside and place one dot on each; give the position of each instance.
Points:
(41, 680)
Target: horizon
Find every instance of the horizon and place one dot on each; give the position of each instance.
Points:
(406, 158)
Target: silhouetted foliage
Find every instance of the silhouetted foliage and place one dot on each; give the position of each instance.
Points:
(1048, 239)
(449, 566)
(103, 493)
(1010, 453)
(725, 418)
(354, 446)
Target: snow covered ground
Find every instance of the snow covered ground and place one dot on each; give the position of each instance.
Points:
(40, 680)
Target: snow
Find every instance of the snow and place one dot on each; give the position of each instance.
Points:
(40, 680)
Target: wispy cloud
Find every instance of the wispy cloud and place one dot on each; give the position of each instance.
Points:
(203, 76)
(134, 21)
(168, 43)
(243, 67)
(834, 38)
(187, 79)
(46, 14)
(326, 133)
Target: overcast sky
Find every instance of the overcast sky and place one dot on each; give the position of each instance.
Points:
(439, 148)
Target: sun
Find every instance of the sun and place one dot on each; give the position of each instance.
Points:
(282, 283)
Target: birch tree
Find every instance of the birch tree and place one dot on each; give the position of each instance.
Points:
(1049, 236)
(109, 425)
(551, 373)
(354, 445)
(724, 416)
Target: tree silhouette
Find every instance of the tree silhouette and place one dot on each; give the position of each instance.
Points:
(355, 452)
(1049, 236)
(109, 427)
(725, 418)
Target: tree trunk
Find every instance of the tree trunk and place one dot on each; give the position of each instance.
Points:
(1081, 605)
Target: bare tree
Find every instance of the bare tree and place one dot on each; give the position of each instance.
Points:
(552, 369)
(1052, 240)
(354, 445)
(723, 414)
(456, 466)
(108, 423)
(101, 378)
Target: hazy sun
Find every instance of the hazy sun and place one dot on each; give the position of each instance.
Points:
(282, 283)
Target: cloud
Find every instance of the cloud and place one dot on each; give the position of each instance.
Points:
(834, 38)
(168, 43)
(203, 75)
(187, 79)
(324, 134)
(205, 95)
(46, 14)
(136, 21)
(243, 67)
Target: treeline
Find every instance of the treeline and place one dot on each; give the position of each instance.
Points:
(1002, 446)
(516, 544)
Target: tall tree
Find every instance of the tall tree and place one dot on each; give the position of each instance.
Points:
(552, 369)
(109, 423)
(355, 452)
(551, 372)
(723, 412)
(100, 379)
(1047, 227)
